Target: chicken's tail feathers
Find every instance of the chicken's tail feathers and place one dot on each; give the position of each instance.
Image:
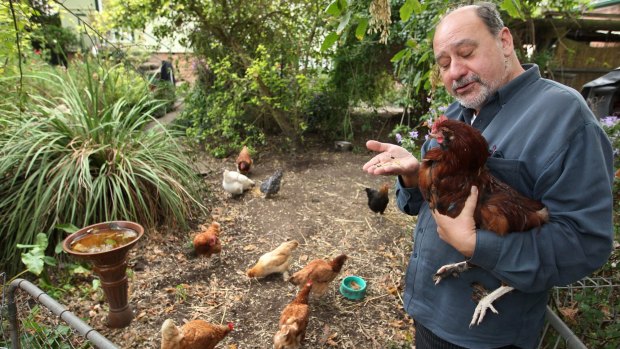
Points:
(338, 262)
(169, 330)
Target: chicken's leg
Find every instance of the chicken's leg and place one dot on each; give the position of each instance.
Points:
(487, 303)
(450, 269)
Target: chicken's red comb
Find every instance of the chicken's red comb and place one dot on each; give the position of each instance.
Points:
(441, 118)
(230, 326)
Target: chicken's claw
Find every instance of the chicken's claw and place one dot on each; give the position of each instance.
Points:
(487, 303)
(453, 269)
(481, 310)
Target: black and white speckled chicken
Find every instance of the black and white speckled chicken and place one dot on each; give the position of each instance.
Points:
(271, 185)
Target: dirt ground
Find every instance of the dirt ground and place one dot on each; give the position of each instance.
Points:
(322, 204)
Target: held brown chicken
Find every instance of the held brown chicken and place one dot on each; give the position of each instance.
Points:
(378, 199)
(320, 272)
(244, 161)
(294, 321)
(446, 176)
(448, 172)
(207, 242)
(278, 260)
(196, 334)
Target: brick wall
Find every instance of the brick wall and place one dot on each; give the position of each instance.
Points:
(182, 63)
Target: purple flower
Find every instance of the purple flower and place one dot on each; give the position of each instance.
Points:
(414, 134)
(442, 109)
(399, 138)
(609, 121)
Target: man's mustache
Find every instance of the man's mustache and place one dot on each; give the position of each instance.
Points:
(464, 81)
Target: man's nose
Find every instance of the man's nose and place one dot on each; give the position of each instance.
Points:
(457, 70)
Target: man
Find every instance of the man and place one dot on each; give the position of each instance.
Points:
(546, 144)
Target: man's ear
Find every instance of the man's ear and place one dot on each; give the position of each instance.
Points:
(507, 43)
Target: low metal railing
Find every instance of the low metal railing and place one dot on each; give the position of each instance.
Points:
(36, 320)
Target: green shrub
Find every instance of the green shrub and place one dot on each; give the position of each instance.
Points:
(217, 113)
(80, 156)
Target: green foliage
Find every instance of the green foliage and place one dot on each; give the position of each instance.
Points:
(215, 110)
(591, 312)
(35, 259)
(81, 155)
(228, 109)
(180, 293)
(409, 45)
(611, 125)
(596, 318)
(163, 91)
(325, 115)
(9, 36)
(52, 39)
(270, 49)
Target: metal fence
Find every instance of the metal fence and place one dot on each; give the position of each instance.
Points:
(557, 334)
(29, 318)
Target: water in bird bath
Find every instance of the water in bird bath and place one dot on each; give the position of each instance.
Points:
(101, 240)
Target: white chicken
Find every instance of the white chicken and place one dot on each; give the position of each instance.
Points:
(235, 183)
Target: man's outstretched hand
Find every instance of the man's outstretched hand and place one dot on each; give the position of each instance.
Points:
(392, 160)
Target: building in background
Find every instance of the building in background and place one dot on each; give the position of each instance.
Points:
(142, 47)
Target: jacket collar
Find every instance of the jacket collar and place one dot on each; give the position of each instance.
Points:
(501, 97)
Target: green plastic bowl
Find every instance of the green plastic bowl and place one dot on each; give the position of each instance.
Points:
(353, 287)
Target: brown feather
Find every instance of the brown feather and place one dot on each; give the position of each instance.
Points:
(244, 161)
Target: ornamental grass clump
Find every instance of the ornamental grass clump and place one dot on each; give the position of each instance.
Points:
(72, 158)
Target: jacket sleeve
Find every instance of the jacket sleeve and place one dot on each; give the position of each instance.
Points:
(576, 186)
(408, 200)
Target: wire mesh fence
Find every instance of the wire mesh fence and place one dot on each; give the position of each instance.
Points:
(31, 319)
(585, 311)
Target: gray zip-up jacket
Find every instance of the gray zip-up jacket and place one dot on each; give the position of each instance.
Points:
(547, 144)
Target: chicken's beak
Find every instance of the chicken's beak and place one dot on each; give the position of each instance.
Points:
(437, 135)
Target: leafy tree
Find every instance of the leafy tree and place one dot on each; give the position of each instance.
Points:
(272, 43)
(14, 39)
(406, 28)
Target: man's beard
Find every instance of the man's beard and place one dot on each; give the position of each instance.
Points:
(475, 101)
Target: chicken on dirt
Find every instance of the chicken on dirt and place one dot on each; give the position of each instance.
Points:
(244, 161)
(294, 321)
(196, 334)
(321, 272)
(378, 199)
(207, 242)
(235, 183)
(271, 185)
(278, 260)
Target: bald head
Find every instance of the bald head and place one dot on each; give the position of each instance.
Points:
(486, 11)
